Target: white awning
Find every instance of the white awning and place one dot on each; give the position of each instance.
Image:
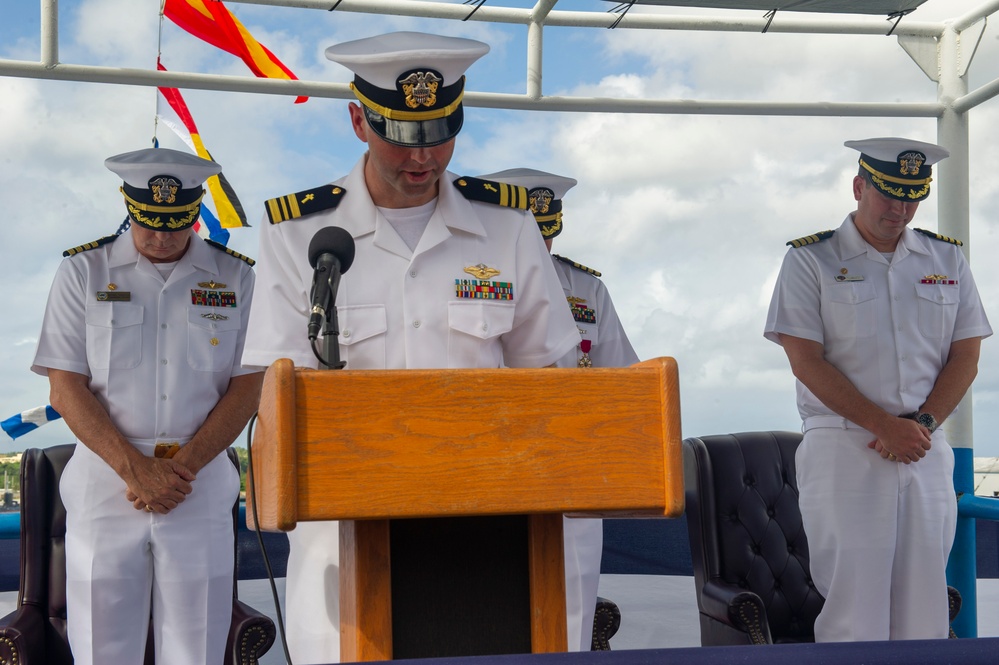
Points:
(885, 7)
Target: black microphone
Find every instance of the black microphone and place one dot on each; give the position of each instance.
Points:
(330, 254)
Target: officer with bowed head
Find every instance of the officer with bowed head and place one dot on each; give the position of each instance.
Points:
(447, 272)
(603, 341)
(140, 341)
(882, 325)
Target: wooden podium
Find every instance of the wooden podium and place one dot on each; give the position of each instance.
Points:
(371, 448)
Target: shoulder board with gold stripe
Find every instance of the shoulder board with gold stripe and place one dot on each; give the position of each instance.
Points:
(300, 204)
(222, 248)
(810, 240)
(488, 191)
(577, 266)
(937, 236)
(93, 244)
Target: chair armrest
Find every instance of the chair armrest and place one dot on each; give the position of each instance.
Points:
(742, 610)
(606, 621)
(22, 636)
(954, 605)
(250, 635)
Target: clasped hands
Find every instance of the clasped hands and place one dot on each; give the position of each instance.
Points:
(906, 441)
(158, 485)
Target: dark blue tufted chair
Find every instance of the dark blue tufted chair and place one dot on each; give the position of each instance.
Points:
(748, 547)
(747, 544)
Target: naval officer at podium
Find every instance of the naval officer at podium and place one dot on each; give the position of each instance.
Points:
(448, 272)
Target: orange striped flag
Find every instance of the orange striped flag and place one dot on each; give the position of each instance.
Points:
(209, 20)
(177, 117)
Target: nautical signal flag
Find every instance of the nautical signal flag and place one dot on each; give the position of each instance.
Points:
(172, 111)
(212, 22)
(27, 421)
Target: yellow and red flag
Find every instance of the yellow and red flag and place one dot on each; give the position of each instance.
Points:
(211, 21)
(176, 115)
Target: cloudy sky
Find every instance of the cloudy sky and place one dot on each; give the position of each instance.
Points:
(686, 216)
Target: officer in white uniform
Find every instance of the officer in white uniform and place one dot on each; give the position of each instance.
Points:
(882, 325)
(447, 272)
(602, 343)
(141, 341)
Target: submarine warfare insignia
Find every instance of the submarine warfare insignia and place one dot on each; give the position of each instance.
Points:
(212, 316)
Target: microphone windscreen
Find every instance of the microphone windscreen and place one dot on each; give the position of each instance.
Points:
(332, 240)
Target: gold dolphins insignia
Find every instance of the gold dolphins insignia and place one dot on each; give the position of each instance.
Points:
(481, 271)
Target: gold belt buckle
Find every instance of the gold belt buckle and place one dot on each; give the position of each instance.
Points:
(165, 450)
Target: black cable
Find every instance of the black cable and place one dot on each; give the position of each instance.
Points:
(897, 17)
(260, 539)
(477, 3)
(769, 16)
(318, 354)
(621, 10)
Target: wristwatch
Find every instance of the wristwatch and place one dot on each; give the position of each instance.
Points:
(925, 419)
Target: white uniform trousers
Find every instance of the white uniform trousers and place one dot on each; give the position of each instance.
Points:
(312, 601)
(584, 543)
(312, 593)
(123, 563)
(879, 535)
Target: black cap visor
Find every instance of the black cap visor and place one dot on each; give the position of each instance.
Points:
(416, 133)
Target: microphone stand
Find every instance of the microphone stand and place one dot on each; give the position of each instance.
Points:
(331, 341)
(330, 358)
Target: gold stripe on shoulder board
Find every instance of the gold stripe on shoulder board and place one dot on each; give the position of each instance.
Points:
(306, 202)
(219, 246)
(490, 191)
(93, 244)
(937, 236)
(810, 239)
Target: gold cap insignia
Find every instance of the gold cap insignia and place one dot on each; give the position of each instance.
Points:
(420, 88)
(481, 271)
(910, 162)
(164, 189)
(540, 200)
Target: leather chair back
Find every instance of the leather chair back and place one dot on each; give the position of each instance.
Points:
(43, 544)
(35, 633)
(748, 547)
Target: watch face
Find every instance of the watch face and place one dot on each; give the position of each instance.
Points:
(927, 421)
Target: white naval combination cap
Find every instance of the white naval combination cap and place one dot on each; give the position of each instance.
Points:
(544, 195)
(162, 187)
(410, 83)
(899, 167)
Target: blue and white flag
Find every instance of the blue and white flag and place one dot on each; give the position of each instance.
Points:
(29, 420)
